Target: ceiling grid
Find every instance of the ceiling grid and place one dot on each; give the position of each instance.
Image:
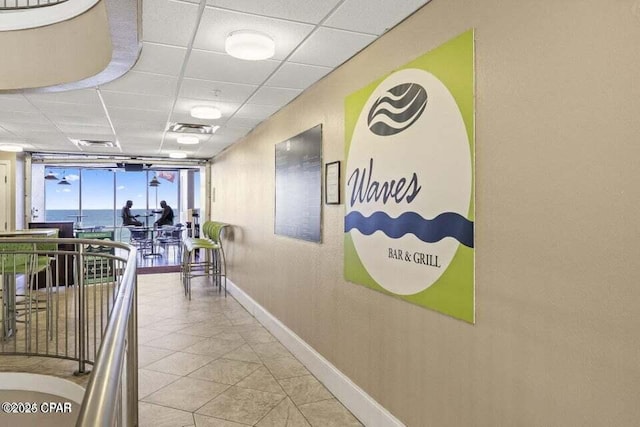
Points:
(183, 64)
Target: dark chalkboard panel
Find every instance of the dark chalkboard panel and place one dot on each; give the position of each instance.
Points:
(299, 186)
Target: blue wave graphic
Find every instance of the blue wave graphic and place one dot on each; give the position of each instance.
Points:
(447, 224)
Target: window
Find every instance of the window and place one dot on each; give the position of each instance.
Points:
(62, 201)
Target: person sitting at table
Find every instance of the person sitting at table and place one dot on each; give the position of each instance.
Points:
(127, 218)
(167, 215)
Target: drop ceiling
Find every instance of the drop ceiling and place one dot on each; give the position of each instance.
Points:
(183, 64)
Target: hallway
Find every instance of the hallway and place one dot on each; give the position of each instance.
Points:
(208, 362)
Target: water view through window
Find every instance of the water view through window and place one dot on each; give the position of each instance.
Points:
(94, 197)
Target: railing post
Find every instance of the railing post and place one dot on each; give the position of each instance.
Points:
(82, 356)
(132, 360)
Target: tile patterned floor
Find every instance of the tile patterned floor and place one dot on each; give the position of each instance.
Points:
(208, 363)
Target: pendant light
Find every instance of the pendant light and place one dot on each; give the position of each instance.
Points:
(50, 176)
(64, 181)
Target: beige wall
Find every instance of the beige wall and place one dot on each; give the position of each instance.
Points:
(557, 340)
(65, 52)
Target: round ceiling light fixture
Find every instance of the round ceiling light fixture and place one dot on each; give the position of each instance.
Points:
(188, 140)
(178, 155)
(250, 45)
(204, 112)
(11, 148)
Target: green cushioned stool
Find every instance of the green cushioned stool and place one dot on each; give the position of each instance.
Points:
(211, 263)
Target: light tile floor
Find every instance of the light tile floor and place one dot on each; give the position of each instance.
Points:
(208, 363)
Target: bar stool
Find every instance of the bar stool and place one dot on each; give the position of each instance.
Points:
(212, 262)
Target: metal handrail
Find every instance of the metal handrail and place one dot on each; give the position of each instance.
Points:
(101, 399)
(27, 4)
(108, 400)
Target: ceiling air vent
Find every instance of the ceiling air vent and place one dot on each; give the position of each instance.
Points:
(94, 143)
(192, 128)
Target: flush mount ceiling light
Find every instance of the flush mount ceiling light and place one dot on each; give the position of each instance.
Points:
(12, 148)
(188, 140)
(250, 45)
(204, 112)
(178, 155)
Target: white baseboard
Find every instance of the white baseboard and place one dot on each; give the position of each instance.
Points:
(363, 406)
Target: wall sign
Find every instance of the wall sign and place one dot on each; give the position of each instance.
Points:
(299, 186)
(409, 195)
(332, 183)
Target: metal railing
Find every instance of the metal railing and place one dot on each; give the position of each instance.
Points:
(75, 299)
(27, 4)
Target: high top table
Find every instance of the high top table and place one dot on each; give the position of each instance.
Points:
(9, 280)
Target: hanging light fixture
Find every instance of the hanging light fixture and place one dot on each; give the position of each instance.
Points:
(154, 182)
(64, 181)
(50, 176)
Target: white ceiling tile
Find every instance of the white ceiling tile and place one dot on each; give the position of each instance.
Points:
(25, 129)
(145, 136)
(241, 123)
(8, 139)
(70, 130)
(169, 22)
(216, 91)
(15, 117)
(53, 138)
(139, 101)
(297, 76)
(133, 125)
(84, 96)
(372, 16)
(274, 96)
(160, 59)
(296, 10)
(50, 109)
(16, 103)
(252, 111)
(81, 119)
(330, 47)
(150, 84)
(120, 115)
(217, 24)
(222, 67)
(227, 134)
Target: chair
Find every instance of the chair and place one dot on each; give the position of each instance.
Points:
(28, 260)
(139, 238)
(171, 236)
(212, 263)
